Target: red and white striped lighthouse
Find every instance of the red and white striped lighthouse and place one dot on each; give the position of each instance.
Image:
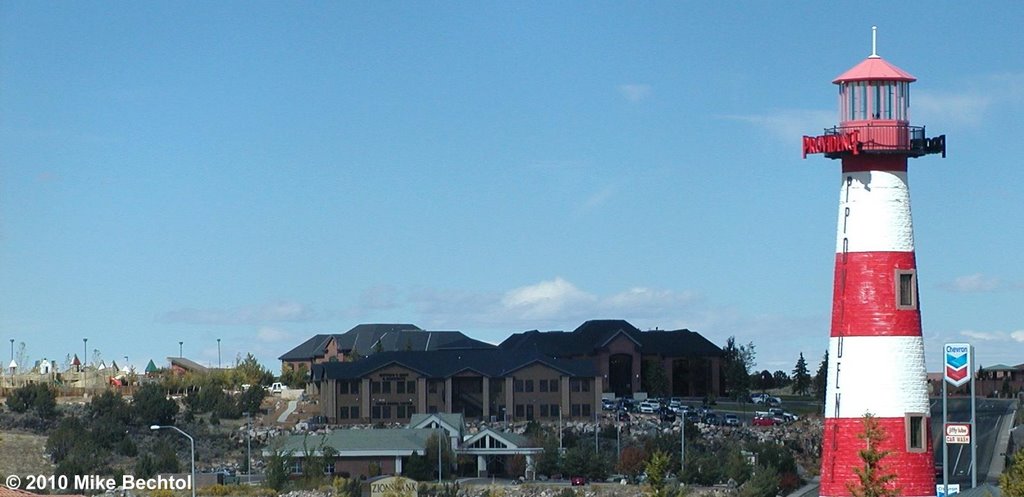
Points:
(876, 352)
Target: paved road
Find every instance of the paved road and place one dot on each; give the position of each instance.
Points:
(991, 422)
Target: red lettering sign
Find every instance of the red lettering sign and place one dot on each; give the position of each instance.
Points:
(827, 144)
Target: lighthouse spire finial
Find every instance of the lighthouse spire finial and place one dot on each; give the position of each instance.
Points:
(874, 42)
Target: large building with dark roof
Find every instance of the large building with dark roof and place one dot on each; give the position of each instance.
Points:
(367, 339)
(389, 372)
(485, 383)
(618, 350)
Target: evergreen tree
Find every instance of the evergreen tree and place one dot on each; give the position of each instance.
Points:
(781, 378)
(873, 479)
(737, 363)
(654, 381)
(1012, 481)
(657, 470)
(820, 382)
(801, 377)
(151, 406)
(249, 371)
(278, 468)
(763, 483)
(36, 397)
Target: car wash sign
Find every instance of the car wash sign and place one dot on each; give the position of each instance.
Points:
(957, 363)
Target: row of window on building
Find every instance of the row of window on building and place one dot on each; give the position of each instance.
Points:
(575, 385)
(409, 386)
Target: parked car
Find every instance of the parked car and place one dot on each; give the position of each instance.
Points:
(731, 420)
(763, 421)
(712, 419)
(577, 481)
(608, 404)
(786, 416)
(649, 407)
(765, 399)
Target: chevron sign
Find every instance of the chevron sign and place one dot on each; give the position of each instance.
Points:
(957, 363)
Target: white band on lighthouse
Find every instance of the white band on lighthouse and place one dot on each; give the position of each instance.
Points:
(874, 213)
(877, 374)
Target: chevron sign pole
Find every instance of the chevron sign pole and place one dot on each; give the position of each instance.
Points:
(957, 363)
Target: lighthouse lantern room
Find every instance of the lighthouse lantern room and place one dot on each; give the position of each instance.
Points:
(876, 352)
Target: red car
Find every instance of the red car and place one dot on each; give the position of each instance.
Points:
(577, 481)
(763, 421)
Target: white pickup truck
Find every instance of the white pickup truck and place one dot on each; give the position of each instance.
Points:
(777, 413)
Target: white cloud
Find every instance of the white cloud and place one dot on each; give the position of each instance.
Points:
(984, 336)
(559, 304)
(635, 92)
(545, 300)
(951, 109)
(595, 200)
(380, 297)
(1017, 336)
(971, 104)
(972, 283)
(282, 311)
(550, 304)
(272, 335)
(788, 125)
(648, 299)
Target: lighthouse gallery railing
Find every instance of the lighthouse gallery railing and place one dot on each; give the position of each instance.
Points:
(880, 138)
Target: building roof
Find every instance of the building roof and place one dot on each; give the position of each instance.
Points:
(364, 339)
(874, 68)
(427, 340)
(593, 335)
(366, 442)
(186, 364)
(454, 421)
(361, 338)
(15, 492)
(1002, 367)
(445, 363)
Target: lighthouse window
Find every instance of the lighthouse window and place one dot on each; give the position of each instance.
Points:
(917, 432)
(906, 290)
(863, 94)
(888, 101)
(876, 102)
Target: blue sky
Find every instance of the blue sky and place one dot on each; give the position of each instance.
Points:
(260, 172)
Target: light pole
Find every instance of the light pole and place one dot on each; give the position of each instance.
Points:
(439, 438)
(218, 353)
(85, 353)
(192, 443)
(179, 348)
(682, 447)
(248, 447)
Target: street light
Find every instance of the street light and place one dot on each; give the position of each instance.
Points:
(218, 353)
(85, 353)
(248, 446)
(682, 446)
(179, 348)
(192, 443)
